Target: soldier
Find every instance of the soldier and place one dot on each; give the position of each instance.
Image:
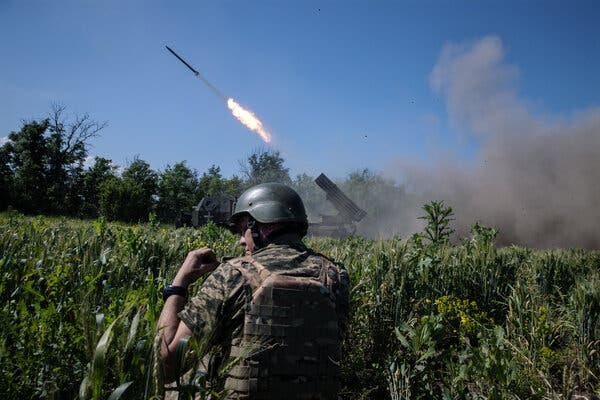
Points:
(277, 314)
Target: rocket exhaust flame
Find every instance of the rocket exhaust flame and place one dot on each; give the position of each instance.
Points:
(246, 117)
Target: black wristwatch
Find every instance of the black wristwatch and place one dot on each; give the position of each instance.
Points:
(170, 290)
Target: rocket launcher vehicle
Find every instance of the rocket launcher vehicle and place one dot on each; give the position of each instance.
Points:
(218, 210)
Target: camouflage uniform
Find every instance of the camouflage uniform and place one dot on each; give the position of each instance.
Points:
(218, 310)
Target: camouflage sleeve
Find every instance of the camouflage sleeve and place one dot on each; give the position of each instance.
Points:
(343, 299)
(206, 313)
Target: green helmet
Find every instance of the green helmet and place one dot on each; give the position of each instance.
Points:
(270, 203)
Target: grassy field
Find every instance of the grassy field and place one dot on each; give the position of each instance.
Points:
(80, 301)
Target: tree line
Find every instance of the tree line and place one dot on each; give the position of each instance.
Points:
(43, 170)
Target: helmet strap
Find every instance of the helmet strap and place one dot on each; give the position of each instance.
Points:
(253, 226)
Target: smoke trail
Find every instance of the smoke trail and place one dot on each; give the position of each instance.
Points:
(243, 115)
(536, 177)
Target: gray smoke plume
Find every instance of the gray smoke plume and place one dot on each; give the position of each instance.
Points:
(536, 177)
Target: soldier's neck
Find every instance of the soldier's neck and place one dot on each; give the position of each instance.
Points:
(286, 237)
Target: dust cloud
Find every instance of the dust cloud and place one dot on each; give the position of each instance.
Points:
(535, 178)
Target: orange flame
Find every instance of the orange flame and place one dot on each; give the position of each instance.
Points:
(247, 118)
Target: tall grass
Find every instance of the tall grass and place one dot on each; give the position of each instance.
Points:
(80, 302)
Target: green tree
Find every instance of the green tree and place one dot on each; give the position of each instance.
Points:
(212, 183)
(6, 177)
(233, 187)
(27, 150)
(129, 198)
(139, 171)
(102, 170)
(123, 200)
(265, 166)
(66, 150)
(178, 190)
(45, 162)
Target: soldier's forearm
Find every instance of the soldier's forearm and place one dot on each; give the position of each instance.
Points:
(172, 330)
(169, 321)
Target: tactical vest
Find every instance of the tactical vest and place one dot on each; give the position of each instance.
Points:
(290, 346)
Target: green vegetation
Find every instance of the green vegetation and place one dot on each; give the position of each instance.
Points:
(80, 301)
(44, 170)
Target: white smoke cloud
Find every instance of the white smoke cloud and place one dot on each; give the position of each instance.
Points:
(536, 177)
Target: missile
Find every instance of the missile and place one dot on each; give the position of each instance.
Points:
(183, 61)
(206, 81)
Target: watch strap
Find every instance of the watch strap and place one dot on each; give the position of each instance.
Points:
(171, 290)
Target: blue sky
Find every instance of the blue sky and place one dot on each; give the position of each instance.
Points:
(341, 85)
